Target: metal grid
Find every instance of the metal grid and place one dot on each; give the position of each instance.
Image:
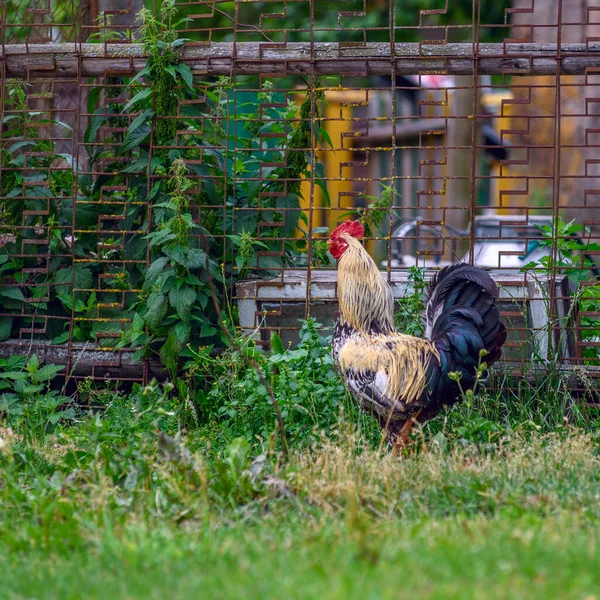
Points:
(472, 123)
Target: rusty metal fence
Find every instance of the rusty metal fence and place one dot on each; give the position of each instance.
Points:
(464, 131)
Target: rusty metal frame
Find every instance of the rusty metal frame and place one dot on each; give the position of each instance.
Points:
(458, 126)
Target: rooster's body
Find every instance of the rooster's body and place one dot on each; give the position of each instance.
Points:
(401, 378)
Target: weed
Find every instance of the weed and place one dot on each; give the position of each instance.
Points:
(304, 382)
(30, 407)
(410, 308)
(568, 253)
(374, 214)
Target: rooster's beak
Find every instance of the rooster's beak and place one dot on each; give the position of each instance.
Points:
(329, 242)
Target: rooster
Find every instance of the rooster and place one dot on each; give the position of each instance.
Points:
(403, 379)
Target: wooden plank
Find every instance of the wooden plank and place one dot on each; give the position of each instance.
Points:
(325, 58)
(84, 360)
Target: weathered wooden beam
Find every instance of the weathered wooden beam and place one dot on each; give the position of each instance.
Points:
(325, 58)
(573, 377)
(83, 360)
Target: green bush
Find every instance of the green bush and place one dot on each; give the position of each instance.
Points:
(305, 384)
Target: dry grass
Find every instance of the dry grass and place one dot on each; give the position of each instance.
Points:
(541, 472)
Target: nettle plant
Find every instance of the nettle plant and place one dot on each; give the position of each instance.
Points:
(206, 213)
(27, 402)
(176, 293)
(186, 206)
(36, 188)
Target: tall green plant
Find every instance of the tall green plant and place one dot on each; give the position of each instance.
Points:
(175, 291)
(567, 248)
(411, 307)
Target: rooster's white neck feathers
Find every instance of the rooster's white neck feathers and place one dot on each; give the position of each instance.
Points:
(365, 298)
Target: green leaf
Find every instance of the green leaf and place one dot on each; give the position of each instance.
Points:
(323, 133)
(61, 339)
(203, 300)
(12, 292)
(5, 327)
(170, 351)
(140, 120)
(138, 323)
(276, 344)
(139, 165)
(141, 95)
(241, 262)
(139, 354)
(182, 300)
(93, 98)
(136, 138)
(14, 375)
(180, 41)
(18, 145)
(207, 330)
(33, 364)
(182, 332)
(171, 71)
(6, 402)
(196, 259)
(47, 372)
(94, 126)
(141, 74)
(157, 310)
(66, 300)
(162, 236)
(154, 271)
(186, 75)
(246, 220)
(62, 124)
(290, 201)
(322, 183)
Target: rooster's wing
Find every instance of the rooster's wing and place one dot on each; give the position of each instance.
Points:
(390, 375)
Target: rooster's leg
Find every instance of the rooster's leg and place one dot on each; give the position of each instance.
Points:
(402, 439)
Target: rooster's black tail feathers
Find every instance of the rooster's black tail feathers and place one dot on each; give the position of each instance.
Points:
(462, 304)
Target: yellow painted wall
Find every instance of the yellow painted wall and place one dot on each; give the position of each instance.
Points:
(501, 180)
(338, 120)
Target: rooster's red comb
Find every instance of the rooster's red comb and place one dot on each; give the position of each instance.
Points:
(353, 228)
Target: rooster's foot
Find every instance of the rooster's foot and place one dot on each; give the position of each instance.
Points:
(403, 443)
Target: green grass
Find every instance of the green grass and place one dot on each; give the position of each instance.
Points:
(342, 519)
(151, 498)
(300, 557)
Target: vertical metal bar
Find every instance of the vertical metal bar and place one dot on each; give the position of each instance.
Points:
(392, 13)
(312, 161)
(555, 179)
(475, 16)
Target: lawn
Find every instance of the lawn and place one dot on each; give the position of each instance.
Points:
(87, 516)
(157, 496)
(298, 556)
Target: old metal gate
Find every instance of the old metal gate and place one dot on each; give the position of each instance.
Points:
(465, 131)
